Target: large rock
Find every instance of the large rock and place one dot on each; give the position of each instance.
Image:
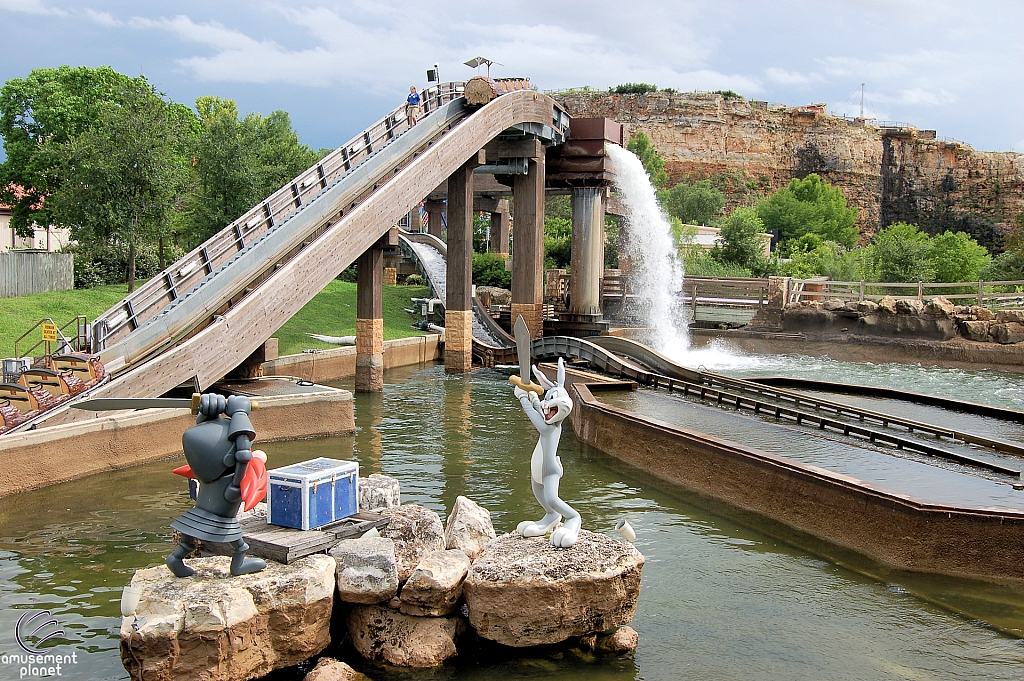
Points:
(499, 296)
(385, 635)
(975, 331)
(435, 586)
(416, 531)
(524, 592)
(982, 314)
(909, 306)
(940, 306)
(867, 306)
(217, 627)
(834, 304)
(468, 528)
(1010, 316)
(1010, 332)
(367, 569)
(887, 305)
(328, 669)
(379, 491)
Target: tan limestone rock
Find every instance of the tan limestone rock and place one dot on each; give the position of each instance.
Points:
(218, 627)
(622, 640)
(887, 305)
(1010, 332)
(1010, 316)
(834, 304)
(867, 306)
(982, 314)
(909, 306)
(378, 491)
(367, 569)
(975, 330)
(468, 528)
(523, 591)
(385, 635)
(940, 306)
(435, 586)
(416, 531)
(329, 669)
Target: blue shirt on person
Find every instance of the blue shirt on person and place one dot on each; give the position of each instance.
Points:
(413, 99)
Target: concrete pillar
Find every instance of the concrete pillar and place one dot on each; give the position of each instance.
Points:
(458, 315)
(435, 220)
(370, 321)
(587, 252)
(528, 248)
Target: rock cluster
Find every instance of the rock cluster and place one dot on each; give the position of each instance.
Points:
(217, 627)
(408, 591)
(936, 319)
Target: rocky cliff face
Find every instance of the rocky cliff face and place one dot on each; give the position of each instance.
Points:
(888, 174)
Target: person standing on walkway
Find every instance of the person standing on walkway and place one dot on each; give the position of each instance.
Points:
(412, 106)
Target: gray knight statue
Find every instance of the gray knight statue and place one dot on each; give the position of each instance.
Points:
(545, 467)
(218, 451)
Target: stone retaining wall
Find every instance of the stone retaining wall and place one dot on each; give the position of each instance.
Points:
(337, 363)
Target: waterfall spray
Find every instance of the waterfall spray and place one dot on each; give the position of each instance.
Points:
(656, 273)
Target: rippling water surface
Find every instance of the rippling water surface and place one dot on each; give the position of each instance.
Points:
(726, 595)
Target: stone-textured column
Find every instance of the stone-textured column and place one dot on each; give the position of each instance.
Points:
(528, 248)
(587, 252)
(458, 315)
(370, 321)
(499, 229)
(435, 220)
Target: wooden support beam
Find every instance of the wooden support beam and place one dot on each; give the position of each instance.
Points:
(458, 349)
(370, 320)
(528, 148)
(528, 248)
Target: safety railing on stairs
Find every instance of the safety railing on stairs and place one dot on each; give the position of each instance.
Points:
(172, 283)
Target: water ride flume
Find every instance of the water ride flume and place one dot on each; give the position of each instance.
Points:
(219, 455)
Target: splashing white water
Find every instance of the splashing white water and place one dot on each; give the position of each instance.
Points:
(656, 273)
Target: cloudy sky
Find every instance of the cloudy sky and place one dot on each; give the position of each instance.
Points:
(335, 67)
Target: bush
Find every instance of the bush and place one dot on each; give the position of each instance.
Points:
(654, 164)
(955, 257)
(812, 257)
(810, 205)
(700, 263)
(101, 264)
(695, 204)
(741, 243)
(899, 253)
(728, 94)
(415, 280)
(634, 89)
(489, 270)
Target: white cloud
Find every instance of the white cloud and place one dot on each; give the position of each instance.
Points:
(31, 7)
(102, 18)
(784, 77)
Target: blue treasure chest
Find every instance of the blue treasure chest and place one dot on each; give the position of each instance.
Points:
(312, 494)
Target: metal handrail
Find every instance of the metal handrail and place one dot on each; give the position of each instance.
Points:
(80, 322)
(857, 290)
(188, 272)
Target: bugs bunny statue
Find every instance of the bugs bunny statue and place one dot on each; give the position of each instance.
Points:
(545, 467)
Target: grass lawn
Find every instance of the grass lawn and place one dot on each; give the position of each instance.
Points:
(18, 315)
(331, 313)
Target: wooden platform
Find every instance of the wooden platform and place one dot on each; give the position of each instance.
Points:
(284, 544)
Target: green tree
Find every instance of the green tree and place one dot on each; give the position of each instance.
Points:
(955, 257)
(239, 162)
(900, 253)
(52, 106)
(1009, 265)
(118, 180)
(741, 239)
(654, 164)
(809, 205)
(810, 256)
(694, 203)
(557, 242)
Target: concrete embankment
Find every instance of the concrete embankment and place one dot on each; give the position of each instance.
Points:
(898, 529)
(338, 363)
(47, 456)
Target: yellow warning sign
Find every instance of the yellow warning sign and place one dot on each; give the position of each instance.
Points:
(49, 332)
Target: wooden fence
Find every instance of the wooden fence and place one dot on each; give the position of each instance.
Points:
(29, 271)
(991, 294)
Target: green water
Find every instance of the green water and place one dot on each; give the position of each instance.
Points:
(726, 595)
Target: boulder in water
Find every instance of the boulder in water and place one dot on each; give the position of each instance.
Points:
(468, 528)
(416, 531)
